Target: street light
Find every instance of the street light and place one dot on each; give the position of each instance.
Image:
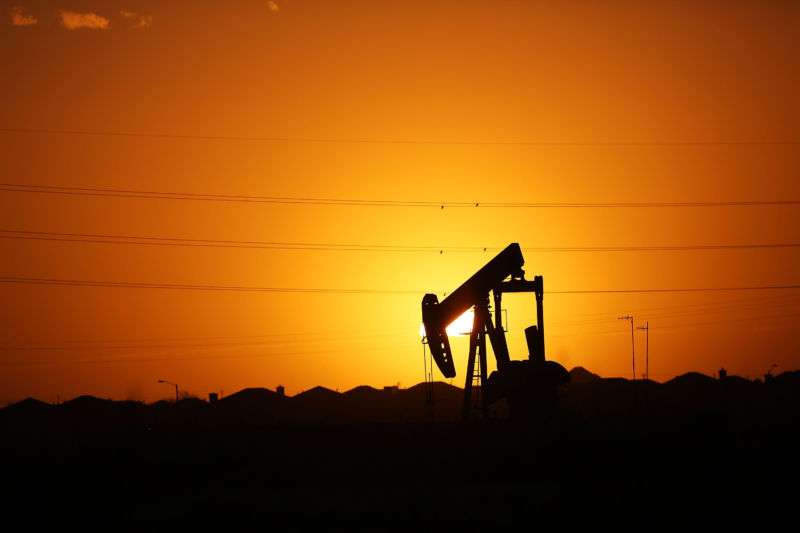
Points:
(633, 344)
(646, 329)
(165, 382)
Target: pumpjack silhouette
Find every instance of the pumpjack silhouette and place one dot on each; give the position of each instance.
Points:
(529, 386)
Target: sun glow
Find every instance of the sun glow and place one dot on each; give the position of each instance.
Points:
(460, 326)
(463, 324)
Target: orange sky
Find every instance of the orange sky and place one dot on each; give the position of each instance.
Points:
(433, 71)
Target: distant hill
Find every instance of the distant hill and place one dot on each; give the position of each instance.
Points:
(588, 393)
(581, 375)
(25, 416)
(791, 377)
(250, 397)
(316, 394)
(85, 402)
(691, 379)
(737, 381)
(28, 405)
(362, 392)
(256, 404)
(439, 387)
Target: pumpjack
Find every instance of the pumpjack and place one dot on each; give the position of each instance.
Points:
(530, 386)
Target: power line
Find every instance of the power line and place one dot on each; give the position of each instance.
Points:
(95, 238)
(195, 356)
(270, 245)
(671, 290)
(750, 303)
(122, 347)
(239, 288)
(192, 287)
(366, 140)
(745, 301)
(351, 202)
(150, 359)
(178, 342)
(129, 193)
(685, 326)
(688, 310)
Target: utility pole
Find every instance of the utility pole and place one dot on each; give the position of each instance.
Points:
(633, 344)
(646, 329)
(174, 385)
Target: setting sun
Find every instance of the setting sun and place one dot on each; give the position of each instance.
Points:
(460, 326)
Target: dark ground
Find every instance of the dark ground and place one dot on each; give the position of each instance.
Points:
(616, 452)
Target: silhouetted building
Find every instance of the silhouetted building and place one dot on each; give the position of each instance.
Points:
(213, 397)
(281, 391)
(722, 374)
(391, 389)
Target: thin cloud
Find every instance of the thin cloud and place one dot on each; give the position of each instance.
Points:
(19, 18)
(273, 6)
(75, 21)
(140, 22)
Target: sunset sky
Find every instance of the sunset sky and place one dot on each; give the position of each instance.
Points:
(417, 102)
